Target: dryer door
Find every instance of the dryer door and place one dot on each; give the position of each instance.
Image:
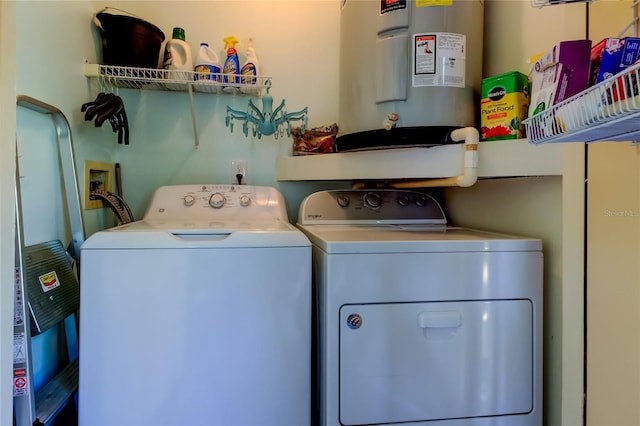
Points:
(407, 362)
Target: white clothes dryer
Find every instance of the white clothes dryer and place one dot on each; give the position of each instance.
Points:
(419, 322)
(199, 314)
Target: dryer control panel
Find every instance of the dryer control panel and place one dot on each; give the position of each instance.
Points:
(364, 206)
(222, 202)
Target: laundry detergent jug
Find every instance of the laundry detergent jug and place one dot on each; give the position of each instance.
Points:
(177, 60)
(207, 65)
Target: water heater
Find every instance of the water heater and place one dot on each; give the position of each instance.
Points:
(410, 70)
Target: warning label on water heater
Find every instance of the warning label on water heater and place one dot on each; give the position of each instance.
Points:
(387, 6)
(439, 60)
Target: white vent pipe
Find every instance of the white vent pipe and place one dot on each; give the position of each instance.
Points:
(469, 174)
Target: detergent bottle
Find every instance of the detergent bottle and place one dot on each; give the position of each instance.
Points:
(231, 68)
(250, 70)
(177, 59)
(207, 66)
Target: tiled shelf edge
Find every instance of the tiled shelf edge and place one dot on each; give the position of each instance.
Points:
(509, 158)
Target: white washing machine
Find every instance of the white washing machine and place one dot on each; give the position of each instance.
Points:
(199, 314)
(419, 322)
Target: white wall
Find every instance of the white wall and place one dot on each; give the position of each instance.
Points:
(613, 292)
(50, 68)
(7, 217)
(613, 254)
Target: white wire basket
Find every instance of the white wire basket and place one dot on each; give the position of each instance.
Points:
(161, 79)
(542, 3)
(607, 111)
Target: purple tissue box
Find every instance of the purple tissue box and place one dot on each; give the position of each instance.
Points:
(574, 55)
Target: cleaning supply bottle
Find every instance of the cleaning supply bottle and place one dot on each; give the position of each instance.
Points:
(177, 59)
(207, 66)
(250, 70)
(231, 67)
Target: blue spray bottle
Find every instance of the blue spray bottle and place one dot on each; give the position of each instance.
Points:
(250, 70)
(231, 68)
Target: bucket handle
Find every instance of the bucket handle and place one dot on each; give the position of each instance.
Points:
(97, 22)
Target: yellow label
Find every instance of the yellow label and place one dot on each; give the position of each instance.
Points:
(502, 119)
(49, 281)
(427, 3)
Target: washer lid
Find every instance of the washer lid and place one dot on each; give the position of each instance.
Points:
(336, 239)
(149, 234)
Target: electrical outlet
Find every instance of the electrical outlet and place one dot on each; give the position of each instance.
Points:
(239, 172)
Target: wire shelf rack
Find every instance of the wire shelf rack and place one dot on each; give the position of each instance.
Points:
(542, 3)
(607, 111)
(169, 80)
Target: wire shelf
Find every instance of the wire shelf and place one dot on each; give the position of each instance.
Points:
(169, 80)
(542, 3)
(607, 111)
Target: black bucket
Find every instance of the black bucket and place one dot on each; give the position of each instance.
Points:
(128, 40)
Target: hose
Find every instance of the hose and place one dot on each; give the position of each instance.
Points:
(116, 203)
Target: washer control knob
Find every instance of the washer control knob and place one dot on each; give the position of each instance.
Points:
(217, 200)
(421, 201)
(373, 200)
(343, 200)
(403, 200)
(245, 200)
(188, 200)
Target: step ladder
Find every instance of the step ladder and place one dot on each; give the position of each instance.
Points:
(47, 290)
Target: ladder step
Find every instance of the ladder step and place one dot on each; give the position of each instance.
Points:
(53, 396)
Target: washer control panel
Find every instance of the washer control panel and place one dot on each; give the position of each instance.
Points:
(202, 202)
(365, 206)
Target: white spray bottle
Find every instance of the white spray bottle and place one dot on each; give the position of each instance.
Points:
(250, 70)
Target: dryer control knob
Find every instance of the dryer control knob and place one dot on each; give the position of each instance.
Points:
(245, 200)
(188, 200)
(403, 200)
(343, 200)
(421, 201)
(217, 200)
(373, 200)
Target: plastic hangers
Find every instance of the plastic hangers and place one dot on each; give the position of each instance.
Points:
(108, 106)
